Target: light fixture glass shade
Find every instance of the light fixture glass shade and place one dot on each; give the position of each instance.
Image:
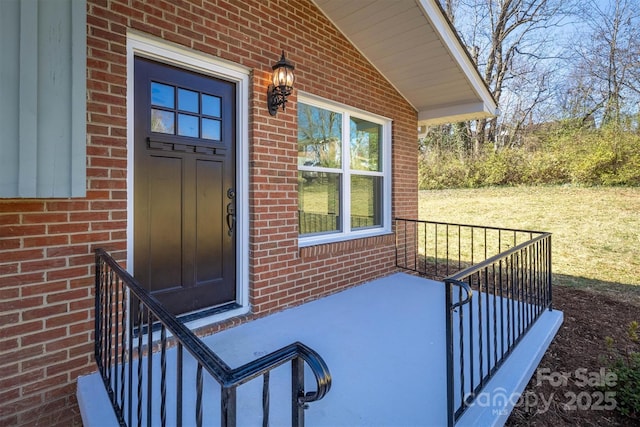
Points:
(283, 76)
(283, 73)
(281, 84)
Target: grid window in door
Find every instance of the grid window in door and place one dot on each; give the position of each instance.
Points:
(185, 112)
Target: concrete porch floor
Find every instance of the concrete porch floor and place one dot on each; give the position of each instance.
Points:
(384, 343)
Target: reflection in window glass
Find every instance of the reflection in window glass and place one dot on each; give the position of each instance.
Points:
(187, 125)
(196, 124)
(162, 121)
(341, 199)
(210, 105)
(211, 129)
(366, 206)
(318, 202)
(319, 137)
(188, 100)
(365, 145)
(162, 95)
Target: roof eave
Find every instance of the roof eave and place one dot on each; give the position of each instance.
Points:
(456, 113)
(487, 107)
(428, 96)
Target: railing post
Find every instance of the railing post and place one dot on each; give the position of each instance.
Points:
(297, 391)
(265, 399)
(449, 339)
(98, 313)
(228, 409)
(550, 276)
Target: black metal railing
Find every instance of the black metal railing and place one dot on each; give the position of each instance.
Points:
(497, 284)
(314, 222)
(147, 384)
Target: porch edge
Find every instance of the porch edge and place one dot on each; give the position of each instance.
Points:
(94, 403)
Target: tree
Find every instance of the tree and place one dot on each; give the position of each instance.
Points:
(605, 81)
(512, 44)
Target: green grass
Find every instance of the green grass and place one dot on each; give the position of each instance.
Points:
(596, 231)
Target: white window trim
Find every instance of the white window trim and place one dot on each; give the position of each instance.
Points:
(139, 44)
(387, 165)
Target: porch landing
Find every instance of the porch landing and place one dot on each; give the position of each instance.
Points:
(384, 343)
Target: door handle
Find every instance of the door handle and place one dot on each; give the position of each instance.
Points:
(231, 211)
(231, 218)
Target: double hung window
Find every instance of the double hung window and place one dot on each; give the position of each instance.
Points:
(344, 166)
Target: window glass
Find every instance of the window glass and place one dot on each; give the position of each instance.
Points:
(162, 121)
(339, 199)
(211, 129)
(210, 105)
(318, 202)
(188, 100)
(188, 125)
(365, 147)
(319, 137)
(366, 197)
(162, 95)
(198, 114)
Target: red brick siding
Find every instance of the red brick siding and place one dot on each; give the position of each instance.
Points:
(46, 303)
(46, 294)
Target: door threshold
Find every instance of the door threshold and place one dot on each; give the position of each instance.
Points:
(208, 312)
(199, 318)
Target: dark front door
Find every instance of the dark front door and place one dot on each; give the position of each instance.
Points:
(184, 187)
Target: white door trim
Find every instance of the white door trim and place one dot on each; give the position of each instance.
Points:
(139, 44)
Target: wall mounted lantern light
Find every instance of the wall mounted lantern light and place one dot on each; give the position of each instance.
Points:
(281, 85)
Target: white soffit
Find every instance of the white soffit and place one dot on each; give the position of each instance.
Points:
(412, 44)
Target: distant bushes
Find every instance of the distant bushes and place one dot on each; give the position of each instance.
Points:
(551, 157)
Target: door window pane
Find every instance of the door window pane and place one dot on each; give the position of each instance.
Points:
(188, 100)
(366, 197)
(318, 202)
(162, 121)
(187, 125)
(365, 138)
(210, 105)
(211, 129)
(162, 95)
(319, 137)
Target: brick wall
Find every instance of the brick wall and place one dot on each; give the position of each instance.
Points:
(46, 295)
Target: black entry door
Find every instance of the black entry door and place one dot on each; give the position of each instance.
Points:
(184, 187)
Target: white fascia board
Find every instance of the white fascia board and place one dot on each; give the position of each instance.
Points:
(455, 113)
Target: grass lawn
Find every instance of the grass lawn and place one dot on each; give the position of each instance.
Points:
(596, 231)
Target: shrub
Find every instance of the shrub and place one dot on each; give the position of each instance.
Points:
(626, 367)
(546, 168)
(443, 171)
(596, 167)
(503, 168)
(556, 155)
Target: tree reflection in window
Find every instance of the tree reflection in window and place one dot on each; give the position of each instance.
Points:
(319, 137)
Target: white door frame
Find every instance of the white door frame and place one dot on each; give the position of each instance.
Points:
(139, 44)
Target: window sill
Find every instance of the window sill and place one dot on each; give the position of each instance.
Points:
(345, 244)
